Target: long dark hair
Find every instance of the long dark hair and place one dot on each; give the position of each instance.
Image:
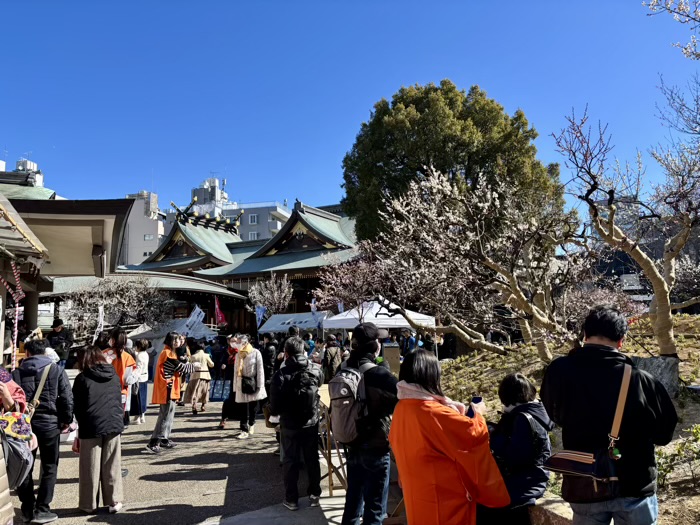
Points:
(170, 338)
(119, 336)
(90, 356)
(422, 368)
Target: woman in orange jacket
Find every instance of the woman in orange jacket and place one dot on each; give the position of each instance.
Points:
(124, 364)
(166, 391)
(442, 453)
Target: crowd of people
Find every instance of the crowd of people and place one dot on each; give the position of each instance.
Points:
(457, 464)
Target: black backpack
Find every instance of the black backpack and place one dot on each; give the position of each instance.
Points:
(303, 394)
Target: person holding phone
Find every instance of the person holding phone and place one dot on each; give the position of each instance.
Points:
(443, 456)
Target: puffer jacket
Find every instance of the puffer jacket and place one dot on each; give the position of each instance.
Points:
(56, 401)
(269, 356)
(521, 446)
(294, 393)
(98, 402)
(380, 389)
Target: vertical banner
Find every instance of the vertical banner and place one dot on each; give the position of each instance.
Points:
(314, 313)
(260, 314)
(195, 318)
(220, 317)
(100, 323)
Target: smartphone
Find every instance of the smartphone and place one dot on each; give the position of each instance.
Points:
(475, 401)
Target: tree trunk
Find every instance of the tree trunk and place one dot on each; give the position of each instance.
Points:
(525, 330)
(543, 350)
(662, 323)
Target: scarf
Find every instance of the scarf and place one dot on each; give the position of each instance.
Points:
(242, 354)
(413, 391)
(232, 355)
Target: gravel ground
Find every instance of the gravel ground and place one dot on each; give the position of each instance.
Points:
(211, 474)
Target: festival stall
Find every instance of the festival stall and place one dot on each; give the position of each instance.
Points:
(306, 321)
(373, 312)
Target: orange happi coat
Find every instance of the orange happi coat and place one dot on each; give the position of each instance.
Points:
(445, 464)
(120, 365)
(160, 384)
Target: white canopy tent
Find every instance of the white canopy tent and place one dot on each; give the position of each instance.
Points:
(157, 335)
(373, 312)
(306, 321)
(196, 329)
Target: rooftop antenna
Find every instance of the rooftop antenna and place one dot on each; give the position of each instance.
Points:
(26, 155)
(4, 151)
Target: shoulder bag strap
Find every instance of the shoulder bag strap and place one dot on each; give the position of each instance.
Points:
(621, 400)
(40, 388)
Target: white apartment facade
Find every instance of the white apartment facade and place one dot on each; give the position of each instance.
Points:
(144, 229)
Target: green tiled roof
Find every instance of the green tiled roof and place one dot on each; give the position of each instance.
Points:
(210, 240)
(160, 281)
(37, 193)
(284, 262)
(168, 264)
(330, 229)
(337, 230)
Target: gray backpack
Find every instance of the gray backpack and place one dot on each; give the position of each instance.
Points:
(348, 402)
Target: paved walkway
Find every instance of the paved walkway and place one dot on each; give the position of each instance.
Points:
(210, 476)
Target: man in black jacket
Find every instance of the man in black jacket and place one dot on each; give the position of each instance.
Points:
(368, 457)
(54, 413)
(580, 394)
(60, 339)
(295, 398)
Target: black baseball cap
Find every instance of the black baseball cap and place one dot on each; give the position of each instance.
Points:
(365, 333)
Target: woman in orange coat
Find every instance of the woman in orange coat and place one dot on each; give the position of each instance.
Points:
(166, 391)
(124, 364)
(443, 456)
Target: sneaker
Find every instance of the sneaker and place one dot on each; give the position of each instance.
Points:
(27, 518)
(251, 430)
(290, 505)
(243, 435)
(315, 501)
(153, 448)
(113, 509)
(41, 516)
(143, 419)
(136, 420)
(166, 443)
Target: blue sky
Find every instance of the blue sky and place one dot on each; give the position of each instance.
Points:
(114, 97)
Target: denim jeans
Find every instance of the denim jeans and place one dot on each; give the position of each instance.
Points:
(368, 487)
(625, 511)
(143, 396)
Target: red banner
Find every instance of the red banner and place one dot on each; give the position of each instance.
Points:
(220, 318)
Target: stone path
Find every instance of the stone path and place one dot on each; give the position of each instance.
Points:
(210, 476)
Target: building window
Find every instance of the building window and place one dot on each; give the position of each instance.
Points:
(145, 254)
(253, 219)
(252, 236)
(148, 237)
